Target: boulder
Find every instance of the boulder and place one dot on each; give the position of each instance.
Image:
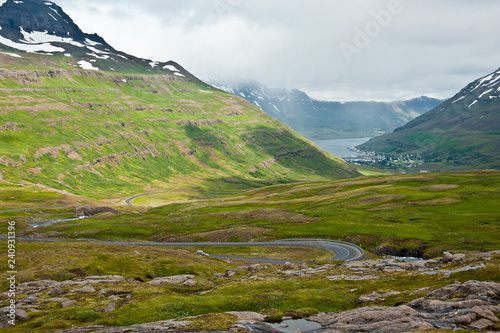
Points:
(67, 303)
(375, 296)
(253, 267)
(248, 316)
(56, 291)
(4, 319)
(109, 308)
(22, 315)
(190, 283)
(29, 300)
(229, 273)
(481, 324)
(175, 279)
(447, 257)
(85, 289)
(287, 266)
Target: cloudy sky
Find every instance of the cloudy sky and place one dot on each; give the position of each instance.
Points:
(332, 49)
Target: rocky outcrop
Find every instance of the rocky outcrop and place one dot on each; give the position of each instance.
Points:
(471, 305)
(176, 279)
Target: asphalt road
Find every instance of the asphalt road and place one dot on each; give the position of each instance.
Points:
(338, 250)
(129, 200)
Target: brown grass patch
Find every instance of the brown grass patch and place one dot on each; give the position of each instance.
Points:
(275, 215)
(439, 187)
(240, 234)
(439, 201)
(392, 206)
(376, 199)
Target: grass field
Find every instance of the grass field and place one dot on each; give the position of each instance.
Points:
(421, 213)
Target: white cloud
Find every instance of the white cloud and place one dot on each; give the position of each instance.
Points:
(431, 47)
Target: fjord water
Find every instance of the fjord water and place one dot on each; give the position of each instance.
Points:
(340, 147)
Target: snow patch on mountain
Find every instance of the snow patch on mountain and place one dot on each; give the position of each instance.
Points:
(97, 50)
(39, 37)
(31, 48)
(485, 93)
(52, 16)
(15, 55)
(54, 10)
(98, 56)
(87, 65)
(458, 99)
(91, 42)
(170, 68)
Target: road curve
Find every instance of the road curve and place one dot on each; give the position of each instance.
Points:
(129, 200)
(338, 250)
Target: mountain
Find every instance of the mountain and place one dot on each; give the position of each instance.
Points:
(79, 116)
(42, 27)
(461, 133)
(322, 120)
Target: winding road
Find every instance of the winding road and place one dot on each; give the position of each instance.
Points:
(338, 250)
(129, 200)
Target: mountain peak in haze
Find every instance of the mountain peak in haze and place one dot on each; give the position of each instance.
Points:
(324, 120)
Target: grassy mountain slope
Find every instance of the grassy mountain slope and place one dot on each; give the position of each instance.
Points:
(462, 133)
(104, 134)
(80, 116)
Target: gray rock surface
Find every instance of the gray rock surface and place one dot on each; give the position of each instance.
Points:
(176, 279)
(471, 305)
(111, 307)
(56, 291)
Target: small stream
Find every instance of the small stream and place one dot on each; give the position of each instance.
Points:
(51, 222)
(409, 259)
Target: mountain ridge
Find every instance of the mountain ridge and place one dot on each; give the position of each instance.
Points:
(42, 27)
(322, 120)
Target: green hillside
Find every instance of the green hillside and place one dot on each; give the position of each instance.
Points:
(104, 134)
(460, 134)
